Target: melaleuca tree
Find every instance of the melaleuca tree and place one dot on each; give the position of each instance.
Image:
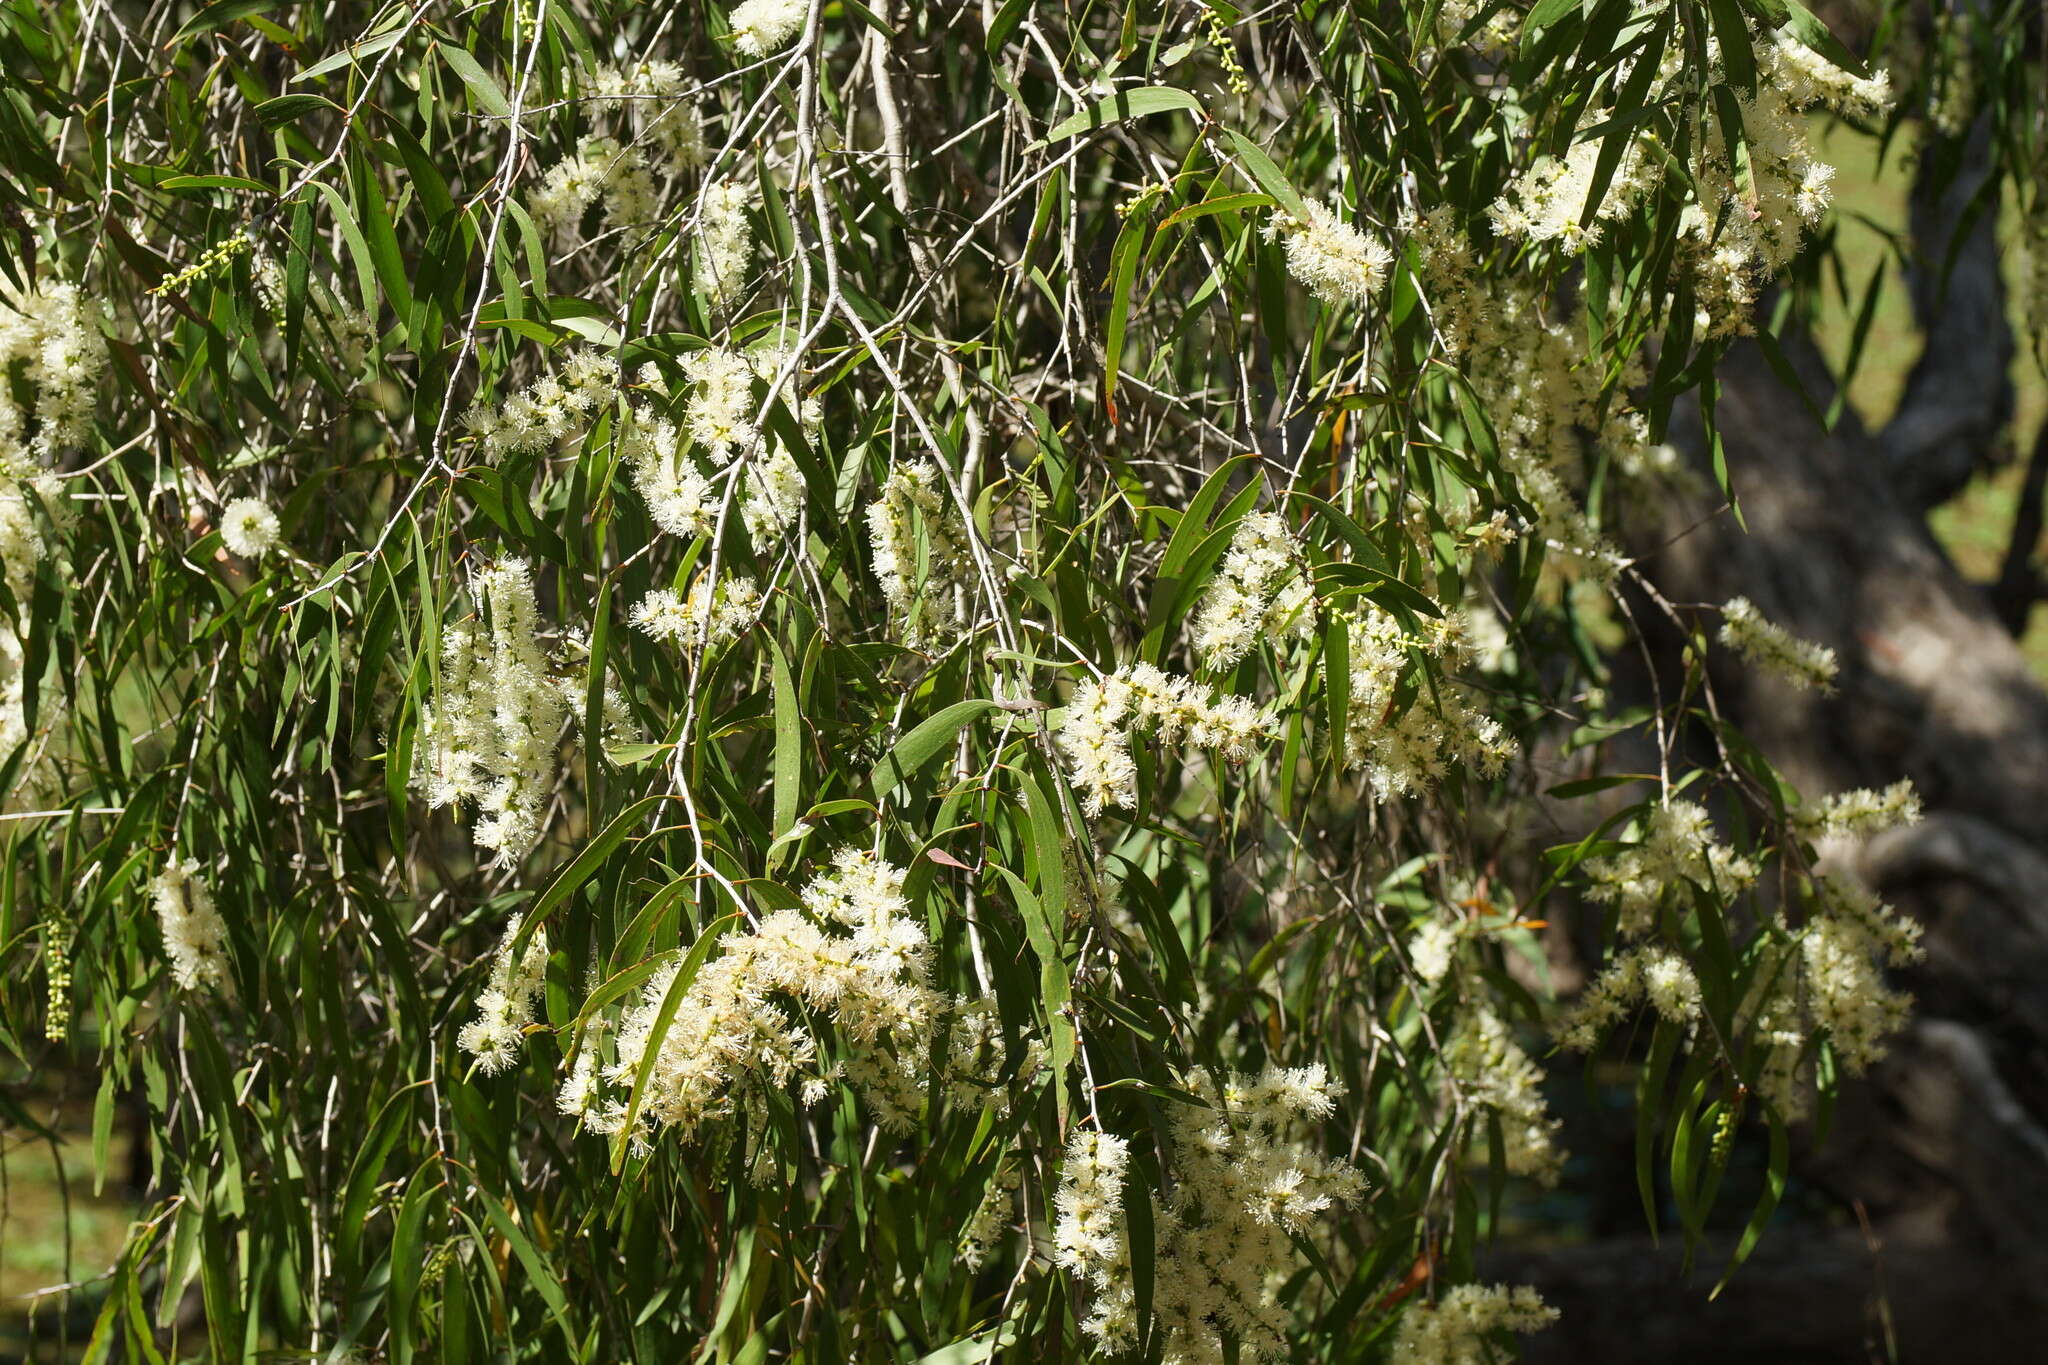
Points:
(872, 682)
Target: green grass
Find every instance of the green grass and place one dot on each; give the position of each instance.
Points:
(53, 1228)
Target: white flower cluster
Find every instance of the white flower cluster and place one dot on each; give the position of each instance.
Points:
(725, 240)
(992, 1216)
(1775, 650)
(1338, 262)
(677, 494)
(1410, 752)
(248, 527)
(51, 345)
(760, 27)
(549, 409)
(1484, 1063)
(1842, 948)
(1102, 716)
(1807, 78)
(1258, 593)
(36, 775)
(720, 412)
(1549, 201)
(654, 99)
(1860, 813)
(195, 938)
(1449, 273)
(854, 955)
(1744, 231)
(705, 616)
(1829, 981)
(601, 169)
(1546, 399)
(719, 419)
(506, 1006)
(1433, 947)
(52, 334)
(659, 132)
(1657, 976)
(1458, 1328)
(1676, 844)
(492, 732)
(1494, 40)
(1247, 1183)
(936, 609)
(1088, 1235)
(23, 544)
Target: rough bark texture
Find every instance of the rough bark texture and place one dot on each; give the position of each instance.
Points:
(1944, 1146)
(1959, 396)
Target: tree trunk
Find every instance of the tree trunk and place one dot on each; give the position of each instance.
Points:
(1943, 1148)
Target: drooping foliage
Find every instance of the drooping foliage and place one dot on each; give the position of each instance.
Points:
(866, 681)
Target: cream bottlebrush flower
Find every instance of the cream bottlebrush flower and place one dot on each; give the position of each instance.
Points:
(854, 955)
(913, 499)
(249, 528)
(23, 545)
(599, 169)
(706, 616)
(677, 494)
(720, 412)
(1670, 986)
(725, 240)
(506, 1006)
(1841, 948)
(1249, 1181)
(1410, 752)
(1101, 717)
(760, 27)
(1450, 277)
(195, 938)
(491, 733)
(36, 777)
(1094, 736)
(1548, 202)
(774, 497)
(1089, 1235)
(1337, 261)
(551, 408)
(992, 1217)
(1484, 1061)
(1432, 948)
(52, 333)
(653, 93)
(1861, 813)
(1676, 845)
(1255, 594)
(1457, 1328)
(1806, 78)
(1777, 651)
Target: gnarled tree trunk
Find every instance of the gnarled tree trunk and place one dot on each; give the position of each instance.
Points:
(1943, 1148)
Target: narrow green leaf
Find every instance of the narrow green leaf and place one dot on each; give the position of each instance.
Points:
(1267, 173)
(924, 743)
(483, 87)
(1124, 105)
(587, 861)
(789, 740)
